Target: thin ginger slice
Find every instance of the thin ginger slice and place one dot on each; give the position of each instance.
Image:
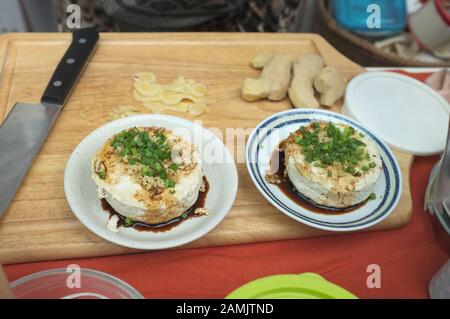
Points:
(197, 108)
(197, 90)
(145, 76)
(171, 98)
(147, 89)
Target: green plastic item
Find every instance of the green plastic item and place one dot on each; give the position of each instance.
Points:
(304, 286)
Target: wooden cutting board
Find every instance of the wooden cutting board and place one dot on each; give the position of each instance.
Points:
(39, 224)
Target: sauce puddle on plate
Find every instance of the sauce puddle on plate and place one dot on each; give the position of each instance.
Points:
(162, 227)
(277, 168)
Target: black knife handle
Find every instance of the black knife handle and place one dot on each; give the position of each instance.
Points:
(71, 66)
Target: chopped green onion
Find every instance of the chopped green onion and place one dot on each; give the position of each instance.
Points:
(169, 183)
(101, 174)
(152, 154)
(325, 144)
(128, 222)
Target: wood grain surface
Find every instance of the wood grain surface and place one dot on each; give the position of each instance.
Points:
(39, 224)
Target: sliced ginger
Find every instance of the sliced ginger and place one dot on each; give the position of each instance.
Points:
(182, 95)
(170, 98)
(123, 111)
(197, 108)
(145, 77)
(147, 89)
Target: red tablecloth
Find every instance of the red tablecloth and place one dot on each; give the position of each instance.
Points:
(408, 258)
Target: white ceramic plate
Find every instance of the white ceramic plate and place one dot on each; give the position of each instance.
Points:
(267, 136)
(404, 112)
(220, 171)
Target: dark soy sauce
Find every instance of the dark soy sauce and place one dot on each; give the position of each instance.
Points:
(277, 167)
(162, 227)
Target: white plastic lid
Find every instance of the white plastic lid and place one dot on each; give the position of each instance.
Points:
(404, 112)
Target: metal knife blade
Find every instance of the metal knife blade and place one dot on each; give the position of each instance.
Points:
(27, 125)
(21, 137)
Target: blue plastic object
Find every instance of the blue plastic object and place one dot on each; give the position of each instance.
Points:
(361, 16)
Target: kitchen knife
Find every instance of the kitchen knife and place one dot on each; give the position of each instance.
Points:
(27, 125)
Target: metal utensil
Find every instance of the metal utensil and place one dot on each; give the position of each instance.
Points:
(437, 197)
(27, 125)
(429, 193)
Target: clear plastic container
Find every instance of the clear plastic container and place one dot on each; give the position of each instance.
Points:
(439, 287)
(52, 284)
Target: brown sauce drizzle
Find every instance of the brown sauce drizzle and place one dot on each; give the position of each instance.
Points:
(162, 227)
(277, 167)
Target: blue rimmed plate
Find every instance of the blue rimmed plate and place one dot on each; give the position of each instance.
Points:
(268, 135)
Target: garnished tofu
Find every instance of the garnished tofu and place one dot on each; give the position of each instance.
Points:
(148, 174)
(332, 164)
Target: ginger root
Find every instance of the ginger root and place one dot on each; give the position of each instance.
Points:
(261, 60)
(274, 81)
(306, 68)
(331, 85)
